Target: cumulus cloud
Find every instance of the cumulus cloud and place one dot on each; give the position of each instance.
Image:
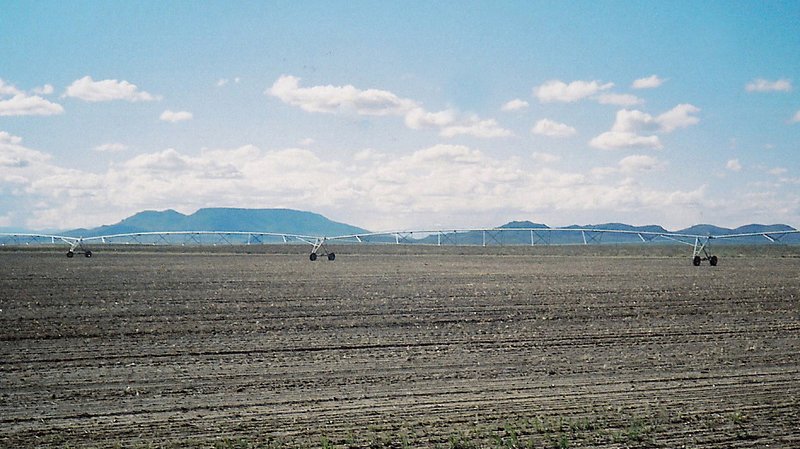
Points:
(8, 89)
(778, 171)
(452, 182)
(373, 102)
(331, 99)
(650, 82)
(734, 165)
(640, 163)
(21, 103)
(418, 118)
(175, 117)
(515, 105)
(550, 128)
(630, 124)
(90, 90)
(763, 85)
(19, 164)
(613, 140)
(559, 91)
(110, 148)
(619, 99)
(678, 117)
(47, 89)
(29, 105)
(545, 158)
(224, 81)
(476, 127)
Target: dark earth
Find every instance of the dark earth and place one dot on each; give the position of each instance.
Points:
(551, 347)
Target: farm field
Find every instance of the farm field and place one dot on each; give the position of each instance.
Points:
(552, 347)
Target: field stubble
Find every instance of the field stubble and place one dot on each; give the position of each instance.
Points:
(449, 347)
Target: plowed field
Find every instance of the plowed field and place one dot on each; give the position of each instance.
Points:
(556, 348)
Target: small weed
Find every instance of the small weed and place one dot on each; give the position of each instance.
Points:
(562, 442)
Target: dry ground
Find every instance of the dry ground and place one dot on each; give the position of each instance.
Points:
(481, 347)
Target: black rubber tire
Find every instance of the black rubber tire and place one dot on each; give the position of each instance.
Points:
(696, 261)
(713, 261)
(88, 254)
(331, 256)
(313, 257)
(70, 254)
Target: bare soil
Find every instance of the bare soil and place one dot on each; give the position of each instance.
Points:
(395, 347)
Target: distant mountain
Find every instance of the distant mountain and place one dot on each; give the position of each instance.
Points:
(289, 221)
(225, 219)
(706, 229)
(523, 224)
(574, 237)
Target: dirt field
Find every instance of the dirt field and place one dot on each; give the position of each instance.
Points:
(545, 348)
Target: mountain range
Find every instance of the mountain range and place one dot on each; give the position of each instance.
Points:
(285, 221)
(291, 221)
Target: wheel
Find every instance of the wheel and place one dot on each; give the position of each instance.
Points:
(313, 257)
(70, 254)
(696, 261)
(331, 256)
(713, 261)
(88, 254)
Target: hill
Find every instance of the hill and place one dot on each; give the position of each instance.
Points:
(287, 221)
(523, 237)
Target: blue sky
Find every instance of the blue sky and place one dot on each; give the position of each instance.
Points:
(394, 115)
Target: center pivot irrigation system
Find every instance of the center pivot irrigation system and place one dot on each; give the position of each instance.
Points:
(700, 244)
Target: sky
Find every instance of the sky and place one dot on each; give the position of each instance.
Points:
(393, 115)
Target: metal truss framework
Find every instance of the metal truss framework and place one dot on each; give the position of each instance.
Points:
(454, 237)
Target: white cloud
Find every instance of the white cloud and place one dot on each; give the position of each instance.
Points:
(29, 105)
(373, 102)
(47, 89)
(762, 85)
(640, 163)
(224, 81)
(613, 140)
(796, 118)
(306, 142)
(515, 105)
(637, 121)
(88, 89)
(8, 89)
(453, 183)
(619, 99)
(22, 103)
(678, 117)
(778, 171)
(450, 125)
(110, 148)
(19, 165)
(559, 91)
(418, 118)
(629, 124)
(368, 154)
(734, 165)
(550, 128)
(476, 127)
(7, 138)
(175, 117)
(545, 158)
(331, 99)
(649, 82)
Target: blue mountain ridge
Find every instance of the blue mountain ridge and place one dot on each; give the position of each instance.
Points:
(290, 221)
(286, 221)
